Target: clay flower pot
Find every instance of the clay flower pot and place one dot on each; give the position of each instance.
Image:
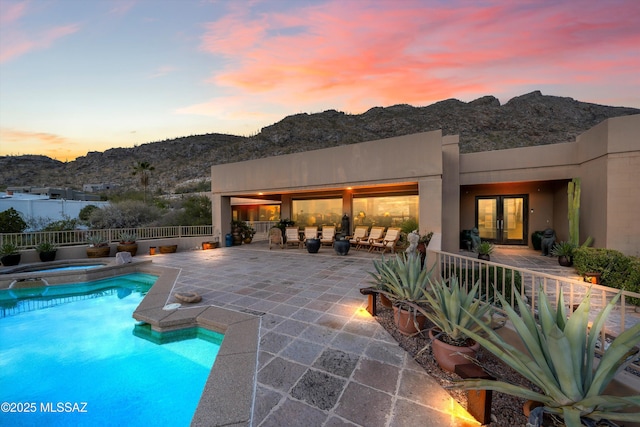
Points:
(447, 355)
(408, 322)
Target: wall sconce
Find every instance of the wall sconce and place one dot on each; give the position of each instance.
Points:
(531, 210)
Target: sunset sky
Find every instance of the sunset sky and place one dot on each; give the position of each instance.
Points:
(89, 75)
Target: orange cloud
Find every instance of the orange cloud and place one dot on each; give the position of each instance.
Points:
(17, 142)
(415, 52)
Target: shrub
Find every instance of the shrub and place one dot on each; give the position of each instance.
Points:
(616, 269)
(126, 214)
(11, 221)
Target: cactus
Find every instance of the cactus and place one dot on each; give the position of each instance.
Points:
(574, 211)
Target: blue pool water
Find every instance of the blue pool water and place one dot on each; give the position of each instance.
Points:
(79, 363)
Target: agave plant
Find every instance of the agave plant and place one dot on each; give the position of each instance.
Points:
(403, 278)
(452, 308)
(560, 361)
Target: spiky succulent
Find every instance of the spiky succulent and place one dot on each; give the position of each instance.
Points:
(560, 360)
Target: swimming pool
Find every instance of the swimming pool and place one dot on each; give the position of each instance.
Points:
(79, 363)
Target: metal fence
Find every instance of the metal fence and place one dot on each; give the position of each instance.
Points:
(79, 237)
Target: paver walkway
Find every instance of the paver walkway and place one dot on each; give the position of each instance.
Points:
(323, 360)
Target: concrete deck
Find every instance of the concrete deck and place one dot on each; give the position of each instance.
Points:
(321, 360)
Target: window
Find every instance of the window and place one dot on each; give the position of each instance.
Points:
(388, 211)
(317, 212)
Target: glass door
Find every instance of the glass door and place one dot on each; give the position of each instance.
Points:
(502, 219)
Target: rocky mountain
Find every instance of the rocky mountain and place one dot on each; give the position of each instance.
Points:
(483, 124)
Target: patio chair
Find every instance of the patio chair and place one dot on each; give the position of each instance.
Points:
(375, 235)
(389, 242)
(310, 233)
(293, 236)
(275, 237)
(328, 235)
(360, 233)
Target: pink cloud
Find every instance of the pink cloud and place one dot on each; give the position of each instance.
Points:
(16, 41)
(417, 52)
(54, 146)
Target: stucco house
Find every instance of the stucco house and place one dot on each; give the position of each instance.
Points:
(507, 194)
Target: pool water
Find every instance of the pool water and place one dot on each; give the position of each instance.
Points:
(79, 363)
(67, 268)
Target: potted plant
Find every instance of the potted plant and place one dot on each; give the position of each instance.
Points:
(46, 251)
(9, 254)
(484, 250)
(128, 243)
(560, 360)
(98, 246)
(404, 280)
(247, 232)
(282, 225)
(452, 309)
(564, 251)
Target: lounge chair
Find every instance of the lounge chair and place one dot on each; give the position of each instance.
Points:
(293, 236)
(328, 235)
(310, 233)
(360, 233)
(375, 235)
(275, 237)
(389, 242)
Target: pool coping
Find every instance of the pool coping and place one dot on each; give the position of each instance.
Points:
(228, 395)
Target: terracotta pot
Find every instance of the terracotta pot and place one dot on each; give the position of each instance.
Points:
(132, 248)
(168, 249)
(385, 301)
(98, 252)
(447, 355)
(408, 322)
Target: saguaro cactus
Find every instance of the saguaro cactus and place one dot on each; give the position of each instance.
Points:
(573, 192)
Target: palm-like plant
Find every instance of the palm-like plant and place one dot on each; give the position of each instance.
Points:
(143, 169)
(560, 360)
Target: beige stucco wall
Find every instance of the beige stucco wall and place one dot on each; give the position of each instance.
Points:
(412, 159)
(610, 172)
(394, 160)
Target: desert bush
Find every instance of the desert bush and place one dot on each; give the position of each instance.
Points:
(125, 214)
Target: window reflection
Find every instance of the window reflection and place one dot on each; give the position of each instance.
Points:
(388, 211)
(317, 212)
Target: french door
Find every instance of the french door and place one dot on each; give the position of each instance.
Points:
(502, 219)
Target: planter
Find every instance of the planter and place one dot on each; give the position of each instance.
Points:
(247, 240)
(98, 251)
(152, 250)
(447, 355)
(237, 237)
(313, 245)
(565, 261)
(209, 245)
(385, 301)
(132, 248)
(47, 256)
(408, 322)
(341, 247)
(11, 259)
(485, 257)
(168, 249)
